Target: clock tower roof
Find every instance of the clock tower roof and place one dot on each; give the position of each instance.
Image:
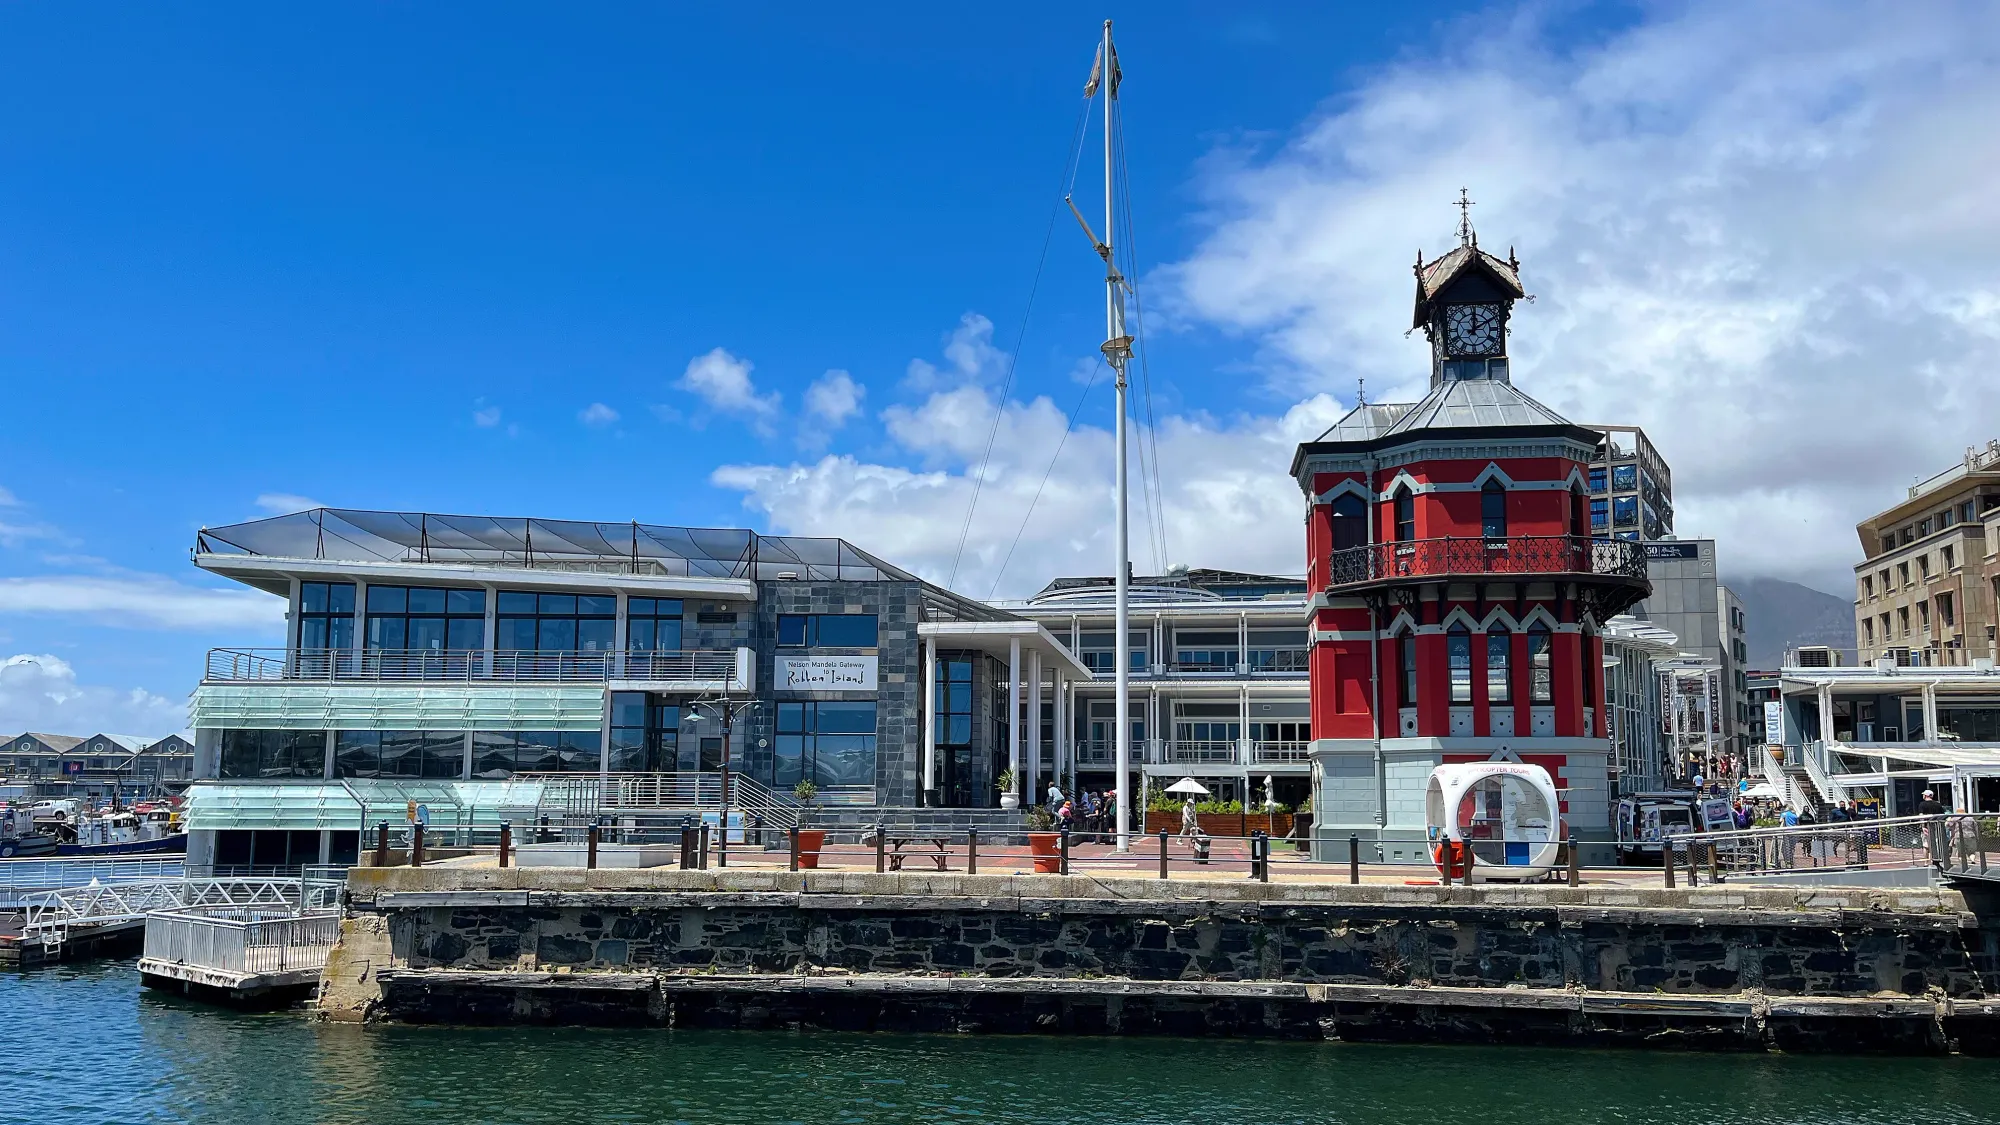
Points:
(1466, 274)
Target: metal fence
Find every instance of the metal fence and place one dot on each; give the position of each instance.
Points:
(241, 665)
(1517, 554)
(241, 941)
(1858, 845)
(22, 877)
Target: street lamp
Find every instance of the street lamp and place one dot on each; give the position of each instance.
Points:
(725, 710)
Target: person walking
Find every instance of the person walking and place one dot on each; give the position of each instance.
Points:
(1188, 822)
(1929, 806)
(1055, 798)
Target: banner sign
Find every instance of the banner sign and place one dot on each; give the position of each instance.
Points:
(1673, 550)
(825, 673)
(1774, 722)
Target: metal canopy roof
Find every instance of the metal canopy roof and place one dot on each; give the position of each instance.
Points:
(1474, 403)
(348, 535)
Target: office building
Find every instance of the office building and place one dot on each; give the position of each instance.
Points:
(1924, 593)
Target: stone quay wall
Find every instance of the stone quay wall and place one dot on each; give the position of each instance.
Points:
(1881, 969)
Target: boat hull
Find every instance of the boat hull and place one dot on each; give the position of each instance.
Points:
(166, 845)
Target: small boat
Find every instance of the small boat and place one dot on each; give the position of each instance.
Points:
(1506, 813)
(21, 835)
(153, 832)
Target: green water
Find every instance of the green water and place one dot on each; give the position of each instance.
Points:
(88, 1044)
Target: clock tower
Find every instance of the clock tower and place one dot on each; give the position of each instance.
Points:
(1463, 302)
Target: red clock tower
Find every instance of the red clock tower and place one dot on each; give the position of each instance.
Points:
(1457, 588)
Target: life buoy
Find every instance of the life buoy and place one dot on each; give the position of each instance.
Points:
(1455, 849)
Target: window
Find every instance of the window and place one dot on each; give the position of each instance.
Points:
(1888, 543)
(1205, 652)
(1903, 573)
(1971, 510)
(1540, 683)
(1406, 662)
(1458, 655)
(1868, 632)
(1946, 518)
(1867, 587)
(1600, 514)
(1924, 567)
(1349, 518)
(326, 616)
(827, 630)
(1097, 651)
(1903, 620)
(1207, 722)
(1923, 528)
(426, 619)
(1625, 478)
(399, 753)
(1597, 480)
(1625, 511)
(530, 622)
(1277, 650)
(953, 705)
(1499, 657)
(831, 743)
(1493, 510)
(1944, 610)
(1947, 559)
(653, 624)
(273, 753)
(1924, 615)
(1589, 671)
(1406, 515)
(500, 754)
(1579, 508)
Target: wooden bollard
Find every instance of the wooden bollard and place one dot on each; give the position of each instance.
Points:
(1354, 858)
(972, 851)
(1575, 875)
(506, 841)
(1469, 858)
(1163, 853)
(416, 845)
(382, 844)
(1063, 841)
(881, 849)
(590, 848)
(795, 847)
(1667, 860)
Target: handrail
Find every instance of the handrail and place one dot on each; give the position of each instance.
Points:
(1846, 845)
(259, 665)
(1519, 554)
(250, 944)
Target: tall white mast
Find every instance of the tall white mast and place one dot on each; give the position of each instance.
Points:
(1118, 352)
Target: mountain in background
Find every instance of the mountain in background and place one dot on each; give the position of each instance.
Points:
(1780, 615)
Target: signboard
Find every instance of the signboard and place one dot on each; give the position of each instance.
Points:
(1673, 550)
(1717, 815)
(824, 673)
(1774, 722)
(1713, 683)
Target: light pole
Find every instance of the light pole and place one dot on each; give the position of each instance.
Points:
(725, 710)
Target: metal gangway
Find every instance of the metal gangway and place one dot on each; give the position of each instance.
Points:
(574, 800)
(49, 916)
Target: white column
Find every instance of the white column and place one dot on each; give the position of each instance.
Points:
(492, 627)
(1930, 712)
(1243, 642)
(1034, 727)
(1825, 713)
(1245, 743)
(618, 635)
(1058, 688)
(1014, 705)
(929, 712)
(361, 616)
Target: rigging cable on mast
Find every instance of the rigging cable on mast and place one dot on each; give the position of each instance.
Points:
(1149, 439)
(1014, 357)
(1081, 400)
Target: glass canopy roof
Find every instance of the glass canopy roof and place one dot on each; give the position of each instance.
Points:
(348, 535)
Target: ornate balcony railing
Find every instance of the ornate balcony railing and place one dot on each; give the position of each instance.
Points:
(240, 665)
(1520, 554)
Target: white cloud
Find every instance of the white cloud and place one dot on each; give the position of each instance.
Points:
(283, 503)
(7, 499)
(723, 381)
(486, 417)
(835, 397)
(969, 356)
(40, 692)
(597, 414)
(138, 601)
(14, 533)
(1761, 231)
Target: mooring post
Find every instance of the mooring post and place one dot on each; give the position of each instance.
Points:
(1447, 853)
(687, 843)
(590, 847)
(1263, 857)
(701, 843)
(1354, 858)
(1667, 860)
(1575, 875)
(506, 841)
(1469, 857)
(1714, 863)
(795, 847)
(972, 850)
(417, 844)
(382, 844)
(722, 838)
(1692, 881)
(881, 849)
(542, 836)
(1163, 853)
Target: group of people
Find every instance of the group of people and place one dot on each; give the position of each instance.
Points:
(1090, 815)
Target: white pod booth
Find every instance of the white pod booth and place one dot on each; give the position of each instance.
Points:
(1507, 812)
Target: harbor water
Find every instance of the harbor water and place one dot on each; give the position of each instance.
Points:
(87, 1044)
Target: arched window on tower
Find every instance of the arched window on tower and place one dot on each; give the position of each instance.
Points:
(1499, 661)
(1493, 510)
(1458, 654)
(1406, 514)
(1350, 522)
(1541, 686)
(1579, 511)
(1406, 667)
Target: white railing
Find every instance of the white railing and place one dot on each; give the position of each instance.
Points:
(241, 941)
(257, 665)
(1829, 789)
(1198, 752)
(1281, 751)
(1853, 845)
(1774, 772)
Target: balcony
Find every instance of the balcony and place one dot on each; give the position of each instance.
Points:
(1194, 753)
(1523, 555)
(699, 669)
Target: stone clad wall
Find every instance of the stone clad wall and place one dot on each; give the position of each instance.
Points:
(1680, 951)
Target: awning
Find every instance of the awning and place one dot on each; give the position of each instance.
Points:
(353, 805)
(288, 706)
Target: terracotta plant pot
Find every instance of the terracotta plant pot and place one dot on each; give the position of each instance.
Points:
(810, 842)
(1046, 847)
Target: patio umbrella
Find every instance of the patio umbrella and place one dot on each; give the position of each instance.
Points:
(1189, 786)
(1761, 790)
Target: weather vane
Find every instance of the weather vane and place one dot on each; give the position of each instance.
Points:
(1464, 205)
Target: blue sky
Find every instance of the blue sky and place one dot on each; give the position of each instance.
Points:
(481, 258)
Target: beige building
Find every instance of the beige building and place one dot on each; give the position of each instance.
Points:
(1925, 595)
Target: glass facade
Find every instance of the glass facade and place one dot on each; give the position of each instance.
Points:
(1499, 661)
(399, 753)
(653, 624)
(326, 615)
(273, 753)
(499, 754)
(424, 618)
(1540, 684)
(556, 622)
(830, 743)
(1458, 654)
(827, 630)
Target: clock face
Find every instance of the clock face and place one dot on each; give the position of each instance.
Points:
(1474, 330)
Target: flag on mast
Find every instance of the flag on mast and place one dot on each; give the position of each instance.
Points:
(1096, 73)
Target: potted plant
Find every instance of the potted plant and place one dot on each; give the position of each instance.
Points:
(1044, 841)
(1009, 799)
(811, 840)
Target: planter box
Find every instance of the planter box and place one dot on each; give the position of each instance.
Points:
(1222, 824)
